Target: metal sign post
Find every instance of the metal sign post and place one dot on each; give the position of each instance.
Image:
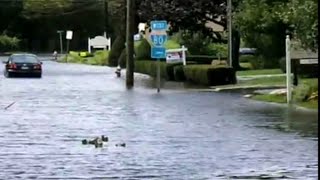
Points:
(158, 37)
(288, 69)
(68, 37)
(61, 46)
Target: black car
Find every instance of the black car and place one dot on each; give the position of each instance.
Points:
(23, 64)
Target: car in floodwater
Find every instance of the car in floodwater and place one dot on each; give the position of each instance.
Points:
(23, 65)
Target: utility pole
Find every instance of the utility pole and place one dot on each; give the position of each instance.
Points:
(129, 41)
(229, 15)
(61, 48)
(106, 23)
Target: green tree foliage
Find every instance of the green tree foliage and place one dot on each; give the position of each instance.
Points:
(264, 23)
(9, 13)
(302, 17)
(186, 15)
(260, 29)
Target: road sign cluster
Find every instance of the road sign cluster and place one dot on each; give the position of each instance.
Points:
(158, 37)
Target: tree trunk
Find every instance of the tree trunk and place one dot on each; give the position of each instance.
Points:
(235, 49)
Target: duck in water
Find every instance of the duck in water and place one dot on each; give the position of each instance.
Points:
(97, 142)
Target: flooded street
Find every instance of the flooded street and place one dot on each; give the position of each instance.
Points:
(177, 134)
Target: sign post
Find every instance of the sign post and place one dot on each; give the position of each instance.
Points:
(60, 35)
(68, 37)
(158, 37)
(288, 69)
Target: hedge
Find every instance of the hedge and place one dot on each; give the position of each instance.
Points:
(150, 68)
(210, 75)
(200, 74)
(203, 59)
(178, 73)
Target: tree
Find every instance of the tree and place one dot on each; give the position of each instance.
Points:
(302, 17)
(9, 14)
(260, 29)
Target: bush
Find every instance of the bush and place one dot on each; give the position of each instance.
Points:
(217, 49)
(203, 59)
(259, 62)
(170, 70)
(99, 58)
(210, 75)
(179, 73)
(143, 51)
(305, 89)
(246, 58)
(9, 43)
(197, 43)
(150, 68)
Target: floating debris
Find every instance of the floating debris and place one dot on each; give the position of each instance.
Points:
(9, 106)
(121, 145)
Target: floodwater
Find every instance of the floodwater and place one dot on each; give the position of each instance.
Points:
(176, 134)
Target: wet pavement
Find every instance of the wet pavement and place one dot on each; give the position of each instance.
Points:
(177, 134)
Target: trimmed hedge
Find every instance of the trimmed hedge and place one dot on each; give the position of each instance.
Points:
(200, 74)
(150, 68)
(203, 59)
(178, 73)
(210, 75)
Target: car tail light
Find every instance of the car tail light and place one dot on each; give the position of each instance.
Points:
(13, 66)
(37, 66)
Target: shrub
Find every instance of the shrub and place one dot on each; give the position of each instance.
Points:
(150, 68)
(170, 70)
(217, 49)
(210, 75)
(259, 62)
(305, 89)
(179, 73)
(9, 43)
(197, 43)
(143, 51)
(203, 59)
(99, 58)
(247, 58)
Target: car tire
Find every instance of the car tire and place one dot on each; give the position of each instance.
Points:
(8, 74)
(38, 75)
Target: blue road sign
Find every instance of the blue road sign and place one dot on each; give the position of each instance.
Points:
(158, 52)
(158, 40)
(159, 25)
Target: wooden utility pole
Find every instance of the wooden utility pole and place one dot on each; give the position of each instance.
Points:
(229, 15)
(106, 19)
(129, 41)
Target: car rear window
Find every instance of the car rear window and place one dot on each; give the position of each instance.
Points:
(24, 59)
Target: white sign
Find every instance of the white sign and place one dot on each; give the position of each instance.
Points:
(69, 35)
(99, 42)
(308, 61)
(176, 55)
(173, 57)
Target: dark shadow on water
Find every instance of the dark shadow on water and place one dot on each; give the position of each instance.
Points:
(286, 119)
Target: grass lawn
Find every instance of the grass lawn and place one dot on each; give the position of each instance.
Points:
(259, 72)
(277, 80)
(270, 98)
(283, 99)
